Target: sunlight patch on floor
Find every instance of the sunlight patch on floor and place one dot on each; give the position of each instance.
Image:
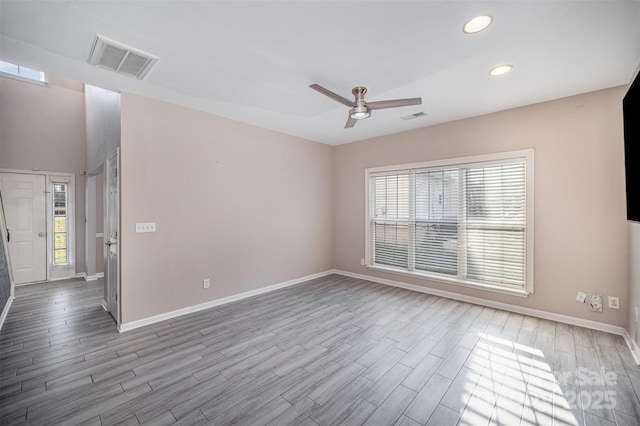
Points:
(516, 384)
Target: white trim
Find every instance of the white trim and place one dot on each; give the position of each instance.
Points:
(633, 346)
(492, 304)
(454, 281)
(31, 283)
(23, 78)
(68, 270)
(5, 310)
(104, 305)
(498, 157)
(84, 276)
(113, 283)
(217, 302)
(5, 246)
(635, 349)
(95, 277)
(79, 275)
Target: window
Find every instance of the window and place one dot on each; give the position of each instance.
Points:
(467, 221)
(60, 224)
(22, 73)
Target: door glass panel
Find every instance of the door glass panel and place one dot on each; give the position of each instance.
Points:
(60, 224)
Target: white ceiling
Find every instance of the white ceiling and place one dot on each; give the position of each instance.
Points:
(253, 61)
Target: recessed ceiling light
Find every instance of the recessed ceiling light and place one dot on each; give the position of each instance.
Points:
(477, 24)
(500, 69)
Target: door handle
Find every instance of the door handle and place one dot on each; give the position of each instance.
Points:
(42, 234)
(108, 244)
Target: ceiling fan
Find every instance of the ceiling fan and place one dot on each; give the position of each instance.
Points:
(360, 109)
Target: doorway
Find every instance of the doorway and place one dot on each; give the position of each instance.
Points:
(112, 234)
(40, 219)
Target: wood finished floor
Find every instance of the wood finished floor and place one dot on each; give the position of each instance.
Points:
(334, 350)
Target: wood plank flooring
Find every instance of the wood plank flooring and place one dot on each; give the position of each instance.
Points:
(330, 351)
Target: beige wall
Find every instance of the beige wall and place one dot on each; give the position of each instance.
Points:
(243, 206)
(634, 279)
(248, 207)
(43, 128)
(580, 227)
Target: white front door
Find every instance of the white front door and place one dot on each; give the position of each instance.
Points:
(24, 199)
(112, 228)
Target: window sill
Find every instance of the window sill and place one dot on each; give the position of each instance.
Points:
(454, 281)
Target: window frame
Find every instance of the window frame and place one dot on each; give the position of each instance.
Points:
(21, 77)
(54, 183)
(479, 160)
(68, 270)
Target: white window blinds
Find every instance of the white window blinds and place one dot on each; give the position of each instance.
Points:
(466, 222)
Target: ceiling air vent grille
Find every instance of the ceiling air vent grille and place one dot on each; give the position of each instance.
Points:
(114, 56)
(412, 116)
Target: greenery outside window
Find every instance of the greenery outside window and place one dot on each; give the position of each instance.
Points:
(60, 224)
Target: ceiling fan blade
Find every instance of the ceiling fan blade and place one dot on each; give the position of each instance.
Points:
(332, 95)
(350, 123)
(394, 103)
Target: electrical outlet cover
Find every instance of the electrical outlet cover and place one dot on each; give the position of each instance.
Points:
(595, 302)
(581, 297)
(614, 302)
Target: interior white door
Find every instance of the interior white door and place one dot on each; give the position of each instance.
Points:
(24, 201)
(112, 229)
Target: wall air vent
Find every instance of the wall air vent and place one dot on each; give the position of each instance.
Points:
(412, 116)
(114, 56)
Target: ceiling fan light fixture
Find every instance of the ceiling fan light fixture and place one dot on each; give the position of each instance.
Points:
(477, 24)
(359, 112)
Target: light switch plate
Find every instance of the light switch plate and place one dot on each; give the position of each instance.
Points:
(145, 227)
(581, 297)
(595, 302)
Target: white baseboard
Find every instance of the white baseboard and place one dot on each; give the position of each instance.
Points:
(595, 325)
(5, 310)
(93, 277)
(104, 305)
(492, 304)
(633, 346)
(51, 280)
(86, 277)
(217, 302)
